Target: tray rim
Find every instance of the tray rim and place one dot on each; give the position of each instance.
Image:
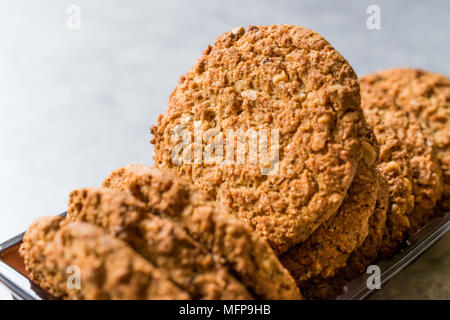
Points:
(414, 246)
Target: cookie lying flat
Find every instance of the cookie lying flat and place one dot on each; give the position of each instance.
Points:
(330, 246)
(248, 256)
(324, 288)
(427, 96)
(159, 240)
(109, 269)
(285, 79)
(426, 177)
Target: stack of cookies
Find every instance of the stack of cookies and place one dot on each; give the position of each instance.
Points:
(355, 166)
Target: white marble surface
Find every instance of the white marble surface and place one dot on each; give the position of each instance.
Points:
(75, 105)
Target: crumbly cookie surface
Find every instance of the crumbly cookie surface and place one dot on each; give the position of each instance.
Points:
(284, 78)
(249, 257)
(162, 242)
(109, 269)
(381, 110)
(427, 96)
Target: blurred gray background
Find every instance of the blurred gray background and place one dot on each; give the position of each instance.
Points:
(76, 104)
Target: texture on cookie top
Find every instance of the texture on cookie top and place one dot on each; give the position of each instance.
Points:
(284, 79)
(427, 96)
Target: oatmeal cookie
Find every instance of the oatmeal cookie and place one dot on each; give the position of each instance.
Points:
(427, 96)
(381, 110)
(159, 240)
(109, 269)
(247, 255)
(289, 81)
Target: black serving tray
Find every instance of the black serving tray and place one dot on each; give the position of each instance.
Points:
(15, 278)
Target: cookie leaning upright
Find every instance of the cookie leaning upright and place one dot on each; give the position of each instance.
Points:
(387, 96)
(427, 96)
(284, 78)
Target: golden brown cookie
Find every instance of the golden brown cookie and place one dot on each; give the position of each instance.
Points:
(381, 110)
(108, 268)
(427, 96)
(247, 255)
(159, 240)
(285, 79)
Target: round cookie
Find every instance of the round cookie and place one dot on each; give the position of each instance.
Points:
(426, 95)
(426, 175)
(289, 81)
